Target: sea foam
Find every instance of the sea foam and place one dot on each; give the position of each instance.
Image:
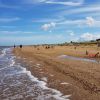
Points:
(56, 94)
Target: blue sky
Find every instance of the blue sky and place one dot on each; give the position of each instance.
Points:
(48, 21)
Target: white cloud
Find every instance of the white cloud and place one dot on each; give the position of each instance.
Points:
(53, 24)
(14, 32)
(86, 22)
(71, 33)
(88, 9)
(49, 20)
(9, 19)
(72, 22)
(46, 20)
(46, 27)
(65, 3)
(89, 36)
(90, 21)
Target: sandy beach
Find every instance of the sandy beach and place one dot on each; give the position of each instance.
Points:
(76, 78)
(49, 49)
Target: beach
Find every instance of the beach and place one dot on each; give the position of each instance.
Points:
(78, 79)
(49, 49)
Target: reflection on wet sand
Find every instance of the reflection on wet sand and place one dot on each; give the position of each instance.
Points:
(77, 58)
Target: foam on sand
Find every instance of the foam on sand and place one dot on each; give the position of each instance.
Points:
(3, 53)
(44, 79)
(56, 94)
(12, 62)
(51, 75)
(64, 83)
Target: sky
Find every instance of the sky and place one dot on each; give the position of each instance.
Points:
(30, 22)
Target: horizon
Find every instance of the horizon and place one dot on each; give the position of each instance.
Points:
(30, 22)
(77, 42)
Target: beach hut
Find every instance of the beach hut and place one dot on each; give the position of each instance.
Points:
(98, 42)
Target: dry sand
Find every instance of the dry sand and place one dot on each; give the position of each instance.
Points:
(79, 78)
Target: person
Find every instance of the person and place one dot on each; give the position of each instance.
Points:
(14, 46)
(21, 46)
(75, 47)
(87, 52)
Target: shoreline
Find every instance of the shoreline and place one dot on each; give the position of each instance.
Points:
(61, 75)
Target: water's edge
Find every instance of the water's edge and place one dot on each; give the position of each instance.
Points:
(18, 83)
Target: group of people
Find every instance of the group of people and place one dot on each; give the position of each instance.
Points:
(45, 47)
(19, 46)
(48, 47)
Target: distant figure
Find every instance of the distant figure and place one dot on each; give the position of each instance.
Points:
(46, 47)
(87, 52)
(14, 46)
(94, 55)
(21, 46)
(75, 47)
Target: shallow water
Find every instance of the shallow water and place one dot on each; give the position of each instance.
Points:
(16, 83)
(77, 58)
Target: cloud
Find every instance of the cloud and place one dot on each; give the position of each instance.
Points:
(34, 1)
(9, 19)
(88, 9)
(86, 22)
(14, 32)
(89, 36)
(67, 3)
(46, 27)
(53, 24)
(46, 20)
(90, 21)
(72, 22)
(49, 20)
(71, 33)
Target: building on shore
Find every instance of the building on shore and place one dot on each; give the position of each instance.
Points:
(98, 42)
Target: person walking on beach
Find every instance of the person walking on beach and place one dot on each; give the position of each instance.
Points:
(21, 46)
(87, 52)
(14, 46)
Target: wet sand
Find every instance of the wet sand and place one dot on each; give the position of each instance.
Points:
(80, 79)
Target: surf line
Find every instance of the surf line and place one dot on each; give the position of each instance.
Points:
(56, 94)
